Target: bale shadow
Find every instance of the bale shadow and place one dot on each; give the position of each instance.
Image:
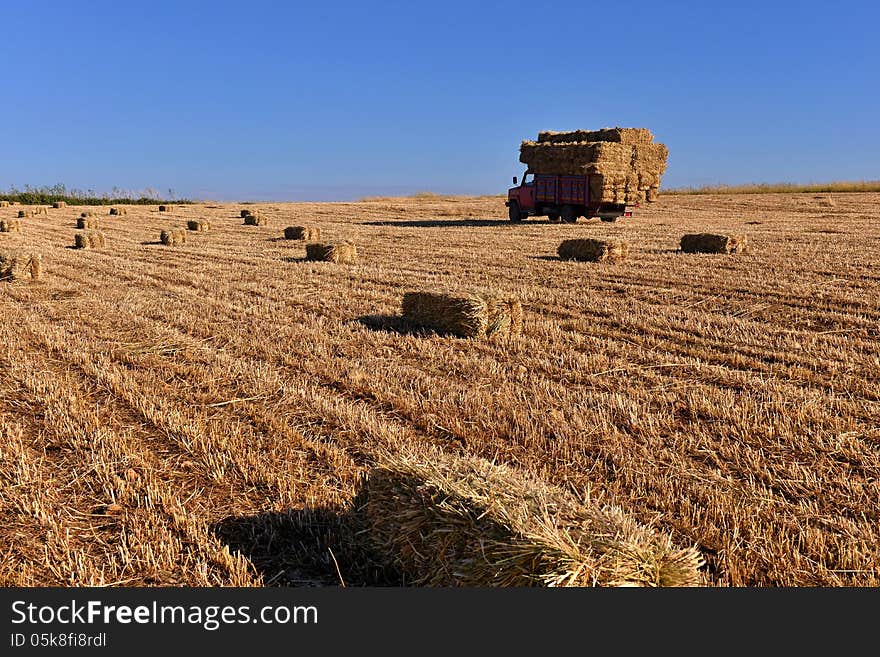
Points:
(551, 258)
(392, 324)
(307, 547)
(753, 223)
(152, 243)
(297, 260)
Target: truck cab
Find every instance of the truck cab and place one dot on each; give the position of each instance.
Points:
(521, 198)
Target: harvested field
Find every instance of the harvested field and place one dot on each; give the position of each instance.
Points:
(207, 416)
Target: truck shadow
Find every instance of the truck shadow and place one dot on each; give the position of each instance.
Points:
(446, 223)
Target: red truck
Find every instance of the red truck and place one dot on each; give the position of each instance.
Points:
(559, 198)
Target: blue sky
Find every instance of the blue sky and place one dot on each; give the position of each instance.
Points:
(339, 100)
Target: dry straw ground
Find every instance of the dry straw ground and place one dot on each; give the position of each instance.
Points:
(204, 414)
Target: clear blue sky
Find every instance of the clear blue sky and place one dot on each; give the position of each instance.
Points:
(337, 100)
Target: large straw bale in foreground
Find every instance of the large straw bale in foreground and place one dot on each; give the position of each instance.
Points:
(89, 240)
(173, 236)
(339, 252)
(10, 226)
(473, 315)
(445, 520)
(592, 250)
(198, 225)
(87, 222)
(712, 243)
(18, 268)
(306, 233)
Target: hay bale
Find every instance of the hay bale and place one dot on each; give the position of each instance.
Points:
(173, 236)
(245, 213)
(448, 520)
(59, 204)
(26, 213)
(472, 315)
(165, 208)
(255, 219)
(340, 252)
(89, 240)
(87, 222)
(592, 250)
(824, 201)
(306, 233)
(18, 268)
(198, 225)
(713, 243)
(10, 226)
(619, 135)
(118, 211)
(41, 210)
(4, 204)
(88, 213)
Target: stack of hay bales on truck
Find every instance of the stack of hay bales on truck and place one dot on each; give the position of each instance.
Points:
(624, 164)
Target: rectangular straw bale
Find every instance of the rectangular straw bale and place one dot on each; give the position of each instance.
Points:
(41, 210)
(713, 243)
(15, 267)
(472, 315)
(165, 208)
(198, 225)
(59, 204)
(26, 213)
(593, 250)
(89, 240)
(245, 213)
(4, 204)
(338, 252)
(306, 233)
(620, 135)
(118, 211)
(173, 236)
(87, 222)
(10, 226)
(256, 219)
(459, 520)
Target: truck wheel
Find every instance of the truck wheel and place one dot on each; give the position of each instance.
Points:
(513, 212)
(568, 214)
(609, 219)
(553, 218)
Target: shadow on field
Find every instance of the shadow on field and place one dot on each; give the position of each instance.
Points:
(391, 324)
(305, 547)
(442, 223)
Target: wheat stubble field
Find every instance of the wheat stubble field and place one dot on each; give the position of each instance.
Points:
(202, 414)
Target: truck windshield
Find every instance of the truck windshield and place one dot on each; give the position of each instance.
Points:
(528, 178)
